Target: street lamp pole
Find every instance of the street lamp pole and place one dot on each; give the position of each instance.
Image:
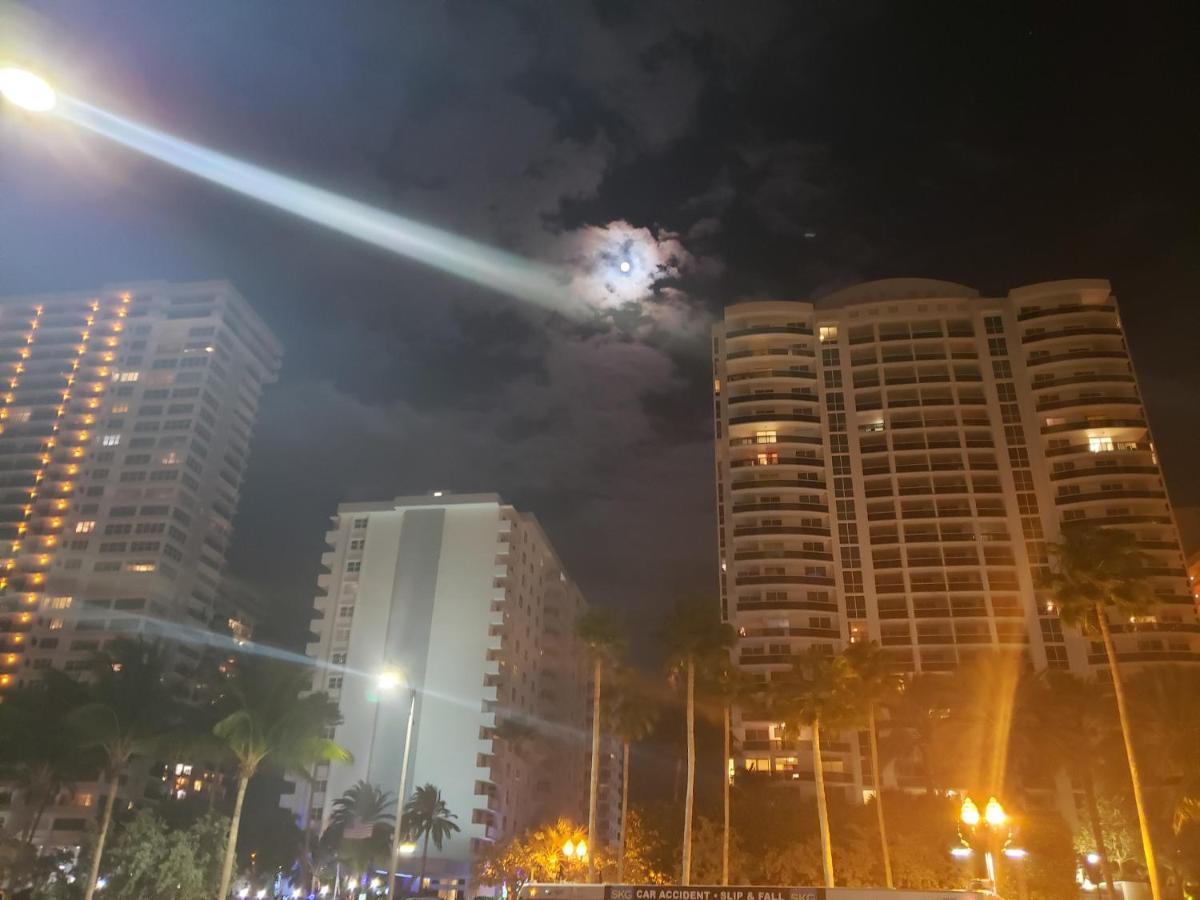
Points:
(396, 829)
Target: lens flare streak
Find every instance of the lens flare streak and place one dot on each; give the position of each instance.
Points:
(487, 266)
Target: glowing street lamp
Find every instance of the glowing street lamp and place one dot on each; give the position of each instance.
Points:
(26, 90)
(969, 813)
(992, 828)
(387, 681)
(994, 813)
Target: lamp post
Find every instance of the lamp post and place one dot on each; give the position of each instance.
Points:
(388, 681)
(991, 828)
(574, 850)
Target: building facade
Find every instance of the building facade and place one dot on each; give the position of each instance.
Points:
(892, 461)
(125, 425)
(461, 602)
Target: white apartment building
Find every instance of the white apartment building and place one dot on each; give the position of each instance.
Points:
(465, 599)
(891, 462)
(125, 423)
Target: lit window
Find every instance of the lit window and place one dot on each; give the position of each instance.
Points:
(141, 567)
(170, 459)
(110, 440)
(83, 799)
(128, 376)
(120, 408)
(59, 602)
(768, 459)
(828, 333)
(766, 437)
(56, 624)
(85, 527)
(1100, 444)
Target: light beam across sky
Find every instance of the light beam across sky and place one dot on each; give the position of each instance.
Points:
(487, 266)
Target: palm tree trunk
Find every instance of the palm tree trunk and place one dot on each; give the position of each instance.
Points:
(594, 786)
(624, 813)
(231, 842)
(725, 785)
(101, 837)
(822, 808)
(685, 877)
(883, 840)
(1127, 735)
(424, 860)
(1089, 798)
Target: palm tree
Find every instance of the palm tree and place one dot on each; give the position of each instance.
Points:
(127, 715)
(1096, 569)
(819, 692)
(426, 817)
(695, 640)
(38, 755)
(602, 635)
(1168, 720)
(634, 716)
(361, 823)
(875, 684)
(916, 724)
(267, 722)
(1067, 723)
(728, 685)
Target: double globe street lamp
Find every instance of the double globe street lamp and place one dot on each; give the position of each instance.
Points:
(990, 829)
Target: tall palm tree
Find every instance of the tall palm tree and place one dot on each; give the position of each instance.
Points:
(875, 684)
(727, 685)
(426, 817)
(818, 692)
(361, 824)
(602, 635)
(1095, 569)
(128, 714)
(1168, 721)
(1068, 724)
(268, 722)
(38, 754)
(696, 641)
(634, 716)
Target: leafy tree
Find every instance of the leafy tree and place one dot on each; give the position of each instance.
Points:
(535, 855)
(1167, 716)
(1095, 569)
(1068, 724)
(267, 722)
(426, 817)
(875, 684)
(128, 714)
(149, 860)
(819, 692)
(716, 859)
(634, 716)
(39, 757)
(696, 641)
(604, 639)
(917, 724)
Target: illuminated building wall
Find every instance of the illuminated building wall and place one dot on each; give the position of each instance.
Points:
(466, 597)
(891, 462)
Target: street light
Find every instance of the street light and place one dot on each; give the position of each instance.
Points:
(986, 828)
(26, 90)
(389, 680)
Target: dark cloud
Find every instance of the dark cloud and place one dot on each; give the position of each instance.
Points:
(777, 149)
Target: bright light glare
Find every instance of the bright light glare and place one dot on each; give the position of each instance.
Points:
(961, 852)
(26, 90)
(1093, 858)
(1015, 852)
(389, 680)
(994, 813)
(970, 813)
(625, 266)
(581, 849)
(479, 263)
(408, 848)
(569, 848)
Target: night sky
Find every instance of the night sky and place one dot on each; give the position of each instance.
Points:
(735, 150)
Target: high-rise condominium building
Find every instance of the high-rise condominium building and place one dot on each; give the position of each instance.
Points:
(892, 461)
(460, 602)
(124, 433)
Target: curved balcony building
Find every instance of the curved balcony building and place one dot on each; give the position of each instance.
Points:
(892, 461)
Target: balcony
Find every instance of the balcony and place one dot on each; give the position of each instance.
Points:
(759, 605)
(803, 352)
(769, 329)
(764, 374)
(807, 397)
(776, 461)
(1077, 355)
(1093, 471)
(1089, 378)
(816, 580)
(1072, 331)
(1089, 401)
(776, 483)
(786, 506)
(1066, 309)
(749, 555)
(772, 416)
(1067, 499)
(1092, 424)
(752, 531)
